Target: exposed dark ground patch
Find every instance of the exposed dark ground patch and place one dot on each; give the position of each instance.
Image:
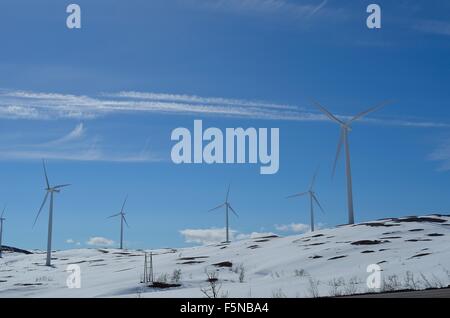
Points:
(367, 251)
(390, 238)
(381, 262)
(269, 236)
(224, 264)
(390, 233)
(418, 240)
(337, 257)
(315, 257)
(191, 262)
(420, 255)
(262, 240)
(28, 284)
(377, 224)
(315, 244)
(123, 270)
(435, 234)
(253, 247)
(369, 242)
(416, 230)
(163, 285)
(191, 258)
(419, 219)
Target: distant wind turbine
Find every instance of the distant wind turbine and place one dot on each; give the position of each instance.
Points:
(228, 207)
(1, 229)
(122, 220)
(343, 139)
(312, 199)
(49, 190)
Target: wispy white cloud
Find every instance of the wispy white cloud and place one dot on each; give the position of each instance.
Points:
(442, 154)
(32, 105)
(73, 242)
(216, 235)
(284, 8)
(433, 26)
(205, 236)
(293, 227)
(77, 133)
(99, 241)
(74, 146)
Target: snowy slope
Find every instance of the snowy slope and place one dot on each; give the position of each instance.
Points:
(333, 261)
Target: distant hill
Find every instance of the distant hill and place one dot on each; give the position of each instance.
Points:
(15, 250)
(411, 252)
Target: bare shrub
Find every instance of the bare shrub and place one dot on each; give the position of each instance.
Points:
(300, 272)
(176, 276)
(313, 288)
(351, 287)
(335, 286)
(163, 278)
(410, 281)
(391, 283)
(278, 293)
(213, 289)
(241, 273)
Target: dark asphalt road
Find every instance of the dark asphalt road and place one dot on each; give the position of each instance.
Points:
(431, 293)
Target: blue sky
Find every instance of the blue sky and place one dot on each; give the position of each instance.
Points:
(100, 104)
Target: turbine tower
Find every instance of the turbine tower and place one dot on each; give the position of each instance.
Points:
(1, 229)
(312, 199)
(49, 190)
(122, 220)
(343, 139)
(228, 208)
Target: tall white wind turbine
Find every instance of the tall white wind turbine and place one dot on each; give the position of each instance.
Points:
(343, 139)
(49, 190)
(228, 208)
(312, 199)
(122, 220)
(1, 229)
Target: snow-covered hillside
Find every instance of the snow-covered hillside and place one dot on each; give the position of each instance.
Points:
(413, 252)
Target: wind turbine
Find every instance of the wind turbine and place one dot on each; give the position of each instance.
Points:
(1, 229)
(228, 207)
(122, 220)
(343, 139)
(49, 190)
(312, 199)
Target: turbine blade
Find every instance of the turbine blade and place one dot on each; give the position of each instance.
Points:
(61, 186)
(3, 212)
(370, 110)
(232, 210)
(123, 205)
(114, 215)
(217, 207)
(313, 179)
(317, 201)
(296, 195)
(125, 220)
(45, 173)
(40, 209)
(328, 114)
(338, 151)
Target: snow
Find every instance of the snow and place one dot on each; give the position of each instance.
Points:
(292, 266)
